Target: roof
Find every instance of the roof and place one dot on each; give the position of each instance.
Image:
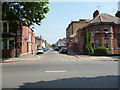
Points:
(73, 35)
(104, 17)
(80, 21)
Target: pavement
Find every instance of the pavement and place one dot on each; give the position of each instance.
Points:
(31, 57)
(101, 58)
(97, 58)
(21, 58)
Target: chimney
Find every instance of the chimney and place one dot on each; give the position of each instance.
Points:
(95, 14)
(117, 14)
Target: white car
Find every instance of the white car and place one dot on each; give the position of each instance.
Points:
(40, 51)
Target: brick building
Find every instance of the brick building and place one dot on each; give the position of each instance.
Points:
(16, 39)
(71, 37)
(8, 44)
(28, 41)
(104, 31)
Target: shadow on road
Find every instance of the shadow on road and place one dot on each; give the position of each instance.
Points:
(110, 81)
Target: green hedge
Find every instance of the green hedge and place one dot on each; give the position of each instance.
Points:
(101, 51)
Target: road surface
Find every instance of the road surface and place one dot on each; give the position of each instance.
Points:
(55, 70)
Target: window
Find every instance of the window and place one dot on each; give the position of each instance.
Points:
(118, 43)
(92, 34)
(11, 44)
(5, 27)
(106, 42)
(96, 28)
(11, 29)
(106, 26)
(119, 29)
(4, 44)
(0, 27)
(97, 43)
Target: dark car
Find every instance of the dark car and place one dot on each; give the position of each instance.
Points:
(63, 50)
(56, 48)
(45, 49)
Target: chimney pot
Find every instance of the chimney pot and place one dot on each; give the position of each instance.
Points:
(117, 14)
(95, 14)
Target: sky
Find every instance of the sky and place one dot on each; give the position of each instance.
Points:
(53, 27)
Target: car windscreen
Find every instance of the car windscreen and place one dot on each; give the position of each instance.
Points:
(40, 49)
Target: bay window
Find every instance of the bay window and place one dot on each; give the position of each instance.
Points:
(97, 42)
(106, 27)
(106, 42)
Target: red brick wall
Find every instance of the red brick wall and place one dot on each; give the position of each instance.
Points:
(24, 47)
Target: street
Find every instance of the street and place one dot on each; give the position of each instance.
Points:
(55, 70)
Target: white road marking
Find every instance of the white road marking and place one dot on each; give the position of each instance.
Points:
(59, 56)
(56, 71)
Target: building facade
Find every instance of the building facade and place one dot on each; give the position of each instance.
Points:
(16, 40)
(71, 36)
(41, 43)
(104, 31)
(28, 41)
(61, 42)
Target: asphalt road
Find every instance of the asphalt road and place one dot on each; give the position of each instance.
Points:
(55, 70)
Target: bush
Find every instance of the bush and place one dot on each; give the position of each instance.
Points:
(100, 51)
(86, 49)
(91, 49)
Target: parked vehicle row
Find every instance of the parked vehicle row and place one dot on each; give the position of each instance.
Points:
(61, 49)
(42, 50)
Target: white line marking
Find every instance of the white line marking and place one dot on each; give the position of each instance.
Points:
(56, 71)
(61, 58)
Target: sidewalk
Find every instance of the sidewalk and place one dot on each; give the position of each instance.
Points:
(21, 58)
(101, 58)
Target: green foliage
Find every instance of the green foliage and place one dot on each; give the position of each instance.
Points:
(5, 39)
(26, 13)
(101, 51)
(87, 47)
(91, 50)
(53, 45)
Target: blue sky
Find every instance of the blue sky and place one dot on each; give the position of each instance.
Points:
(62, 13)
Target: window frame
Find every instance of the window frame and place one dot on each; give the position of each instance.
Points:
(106, 43)
(106, 27)
(97, 44)
(96, 28)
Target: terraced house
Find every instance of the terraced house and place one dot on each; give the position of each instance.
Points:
(104, 31)
(16, 39)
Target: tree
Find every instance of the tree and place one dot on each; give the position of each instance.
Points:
(87, 47)
(53, 45)
(26, 13)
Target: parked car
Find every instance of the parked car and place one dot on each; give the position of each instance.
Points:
(63, 50)
(45, 49)
(56, 48)
(40, 51)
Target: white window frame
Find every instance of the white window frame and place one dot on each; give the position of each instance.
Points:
(96, 28)
(97, 41)
(1, 27)
(1, 31)
(106, 26)
(106, 43)
(117, 43)
(92, 33)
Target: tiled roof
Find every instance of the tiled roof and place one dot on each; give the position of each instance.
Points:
(73, 35)
(104, 17)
